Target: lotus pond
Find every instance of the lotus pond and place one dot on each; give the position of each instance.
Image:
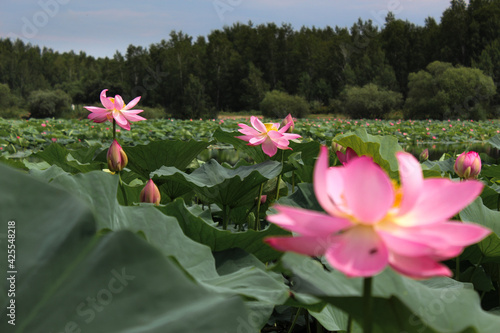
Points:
(91, 257)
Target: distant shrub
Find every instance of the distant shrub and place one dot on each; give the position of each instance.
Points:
(48, 103)
(442, 91)
(10, 104)
(152, 113)
(370, 101)
(277, 104)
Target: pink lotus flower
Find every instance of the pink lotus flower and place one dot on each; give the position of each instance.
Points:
(150, 193)
(269, 135)
(468, 165)
(115, 108)
(372, 222)
(117, 159)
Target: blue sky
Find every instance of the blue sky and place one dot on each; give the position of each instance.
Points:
(100, 27)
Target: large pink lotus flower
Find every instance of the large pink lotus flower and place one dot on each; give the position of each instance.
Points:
(372, 222)
(269, 135)
(115, 108)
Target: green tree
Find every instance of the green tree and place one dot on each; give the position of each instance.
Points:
(195, 101)
(443, 91)
(278, 104)
(255, 88)
(46, 103)
(370, 101)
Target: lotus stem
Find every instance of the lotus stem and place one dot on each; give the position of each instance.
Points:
(257, 219)
(279, 177)
(225, 216)
(367, 305)
(349, 324)
(122, 187)
(457, 268)
(295, 320)
(114, 129)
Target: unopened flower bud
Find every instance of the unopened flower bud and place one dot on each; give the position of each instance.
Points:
(349, 155)
(468, 165)
(288, 119)
(117, 159)
(337, 147)
(424, 155)
(150, 193)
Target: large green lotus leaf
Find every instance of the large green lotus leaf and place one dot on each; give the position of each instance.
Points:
(200, 231)
(442, 165)
(400, 304)
(303, 197)
(144, 159)
(495, 141)
(381, 148)
(73, 161)
(99, 189)
(70, 280)
(244, 273)
(331, 318)
(224, 186)
(480, 214)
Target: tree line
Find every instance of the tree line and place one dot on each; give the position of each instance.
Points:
(363, 70)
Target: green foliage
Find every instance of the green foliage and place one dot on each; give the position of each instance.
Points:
(255, 88)
(370, 101)
(46, 103)
(278, 104)
(10, 104)
(232, 68)
(444, 91)
(75, 233)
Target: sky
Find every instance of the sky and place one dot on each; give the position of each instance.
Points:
(100, 28)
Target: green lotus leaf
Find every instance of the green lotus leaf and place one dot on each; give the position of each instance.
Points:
(381, 148)
(400, 304)
(478, 213)
(224, 186)
(219, 240)
(68, 279)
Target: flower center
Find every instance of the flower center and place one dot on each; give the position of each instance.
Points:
(271, 127)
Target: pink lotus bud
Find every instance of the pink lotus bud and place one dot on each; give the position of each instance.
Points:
(424, 155)
(288, 119)
(117, 159)
(349, 155)
(337, 147)
(150, 193)
(468, 165)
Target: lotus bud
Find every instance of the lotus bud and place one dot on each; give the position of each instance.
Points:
(263, 199)
(349, 155)
(337, 147)
(150, 193)
(424, 155)
(288, 119)
(117, 159)
(468, 165)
